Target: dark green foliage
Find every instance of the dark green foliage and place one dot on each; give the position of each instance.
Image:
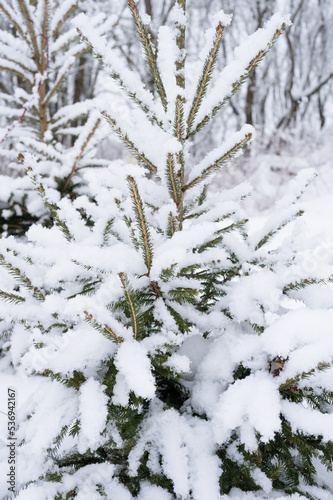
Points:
(234, 474)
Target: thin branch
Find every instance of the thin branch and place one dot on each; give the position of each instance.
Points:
(79, 156)
(151, 58)
(218, 163)
(63, 19)
(31, 30)
(174, 187)
(21, 278)
(104, 329)
(206, 76)
(128, 143)
(14, 23)
(130, 302)
(252, 65)
(11, 297)
(140, 217)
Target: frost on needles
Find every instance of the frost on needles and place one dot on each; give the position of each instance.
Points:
(164, 352)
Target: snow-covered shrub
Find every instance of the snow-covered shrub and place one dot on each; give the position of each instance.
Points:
(42, 106)
(163, 349)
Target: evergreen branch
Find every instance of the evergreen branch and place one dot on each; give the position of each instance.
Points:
(156, 289)
(128, 143)
(299, 285)
(79, 156)
(179, 129)
(25, 13)
(128, 221)
(248, 71)
(220, 161)
(15, 72)
(172, 227)
(104, 329)
(206, 76)
(176, 182)
(290, 386)
(179, 125)
(57, 442)
(16, 63)
(57, 86)
(64, 17)
(141, 222)
(45, 55)
(21, 278)
(192, 271)
(183, 324)
(75, 381)
(14, 125)
(148, 49)
(88, 287)
(268, 236)
(203, 195)
(180, 63)
(107, 231)
(184, 295)
(129, 300)
(180, 174)
(11, 16)
(173, 182)
(168, 273)
(11, 297)
(215, 241)
(116, 77)
(51, 207)
(79, 50)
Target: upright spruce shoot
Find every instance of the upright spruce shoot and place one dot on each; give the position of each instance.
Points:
(170, 353)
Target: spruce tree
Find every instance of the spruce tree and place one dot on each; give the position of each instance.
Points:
(42, 107)
(173, 353)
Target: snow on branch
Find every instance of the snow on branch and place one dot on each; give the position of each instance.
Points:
(128, 81)
(208, 58)
(216, 158)
(246, 58)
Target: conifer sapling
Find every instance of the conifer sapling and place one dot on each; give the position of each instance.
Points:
(173, 352)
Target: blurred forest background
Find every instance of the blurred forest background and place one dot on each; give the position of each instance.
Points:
(49, 80)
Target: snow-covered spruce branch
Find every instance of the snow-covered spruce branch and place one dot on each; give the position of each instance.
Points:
(145, 242)
(218, 157)
(249, 54)
(129, 143)
(149, 51)
(21, 278)
(208, 68)
(127, 80)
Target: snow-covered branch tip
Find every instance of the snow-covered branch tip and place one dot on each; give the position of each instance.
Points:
(224, 156)
(129, 144)
(207, 70)
(246, 58)
(149, 51)
(104, 329)
(144, 241)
